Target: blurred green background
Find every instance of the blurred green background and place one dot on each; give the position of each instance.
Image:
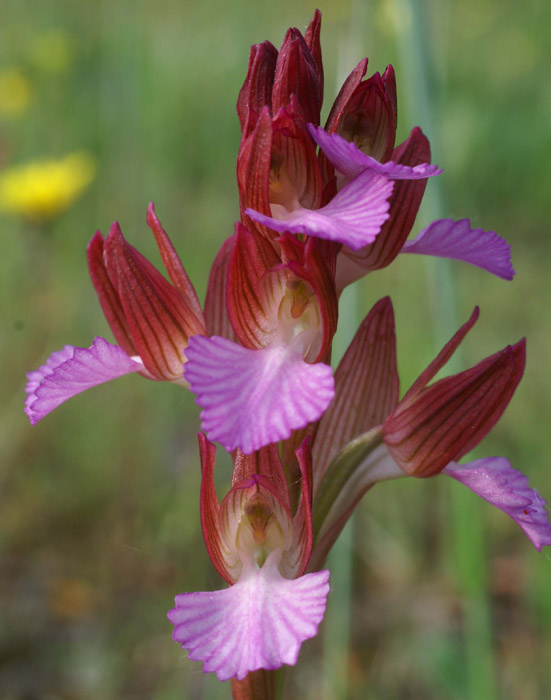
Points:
(438, 596)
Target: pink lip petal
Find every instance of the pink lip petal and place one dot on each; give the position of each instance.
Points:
(72, 370)
(251, 398)
(260, 622)
(349, 160)
(353, 217)
(446, 238)
(494, 480)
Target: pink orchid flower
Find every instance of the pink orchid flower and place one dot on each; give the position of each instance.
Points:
(261, 550)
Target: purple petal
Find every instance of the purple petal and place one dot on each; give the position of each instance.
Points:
(349, 160)
(353, 217)
(260, 622)
(446, 238)
(494, 480)
(72, 370)
(252, 398)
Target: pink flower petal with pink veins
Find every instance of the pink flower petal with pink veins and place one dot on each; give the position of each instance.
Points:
(72, 370)
(350, 160)
(259, 622)
(495, 480)
(446, 238)
(251, 398)
(353, 217)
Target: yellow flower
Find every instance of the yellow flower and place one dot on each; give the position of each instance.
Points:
(43, 189)
(15, 92)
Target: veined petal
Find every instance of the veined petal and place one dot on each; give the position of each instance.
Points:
(366, 387)
(260, 622)
(251, 398)
(217, 320)
(223, 559)
(296, 558)
(256, 92)
(296, 73)
(404, 205)
(265, 462)
(369, 118)
(353, 217)
(450, 417)
(351, 161)
(252, 301)
(345, 93)
(159, 320)
(72, 370)
(253, 167)
(176, 271)
(312, 38)
(494, 480)
(446, 238)
(108, 295)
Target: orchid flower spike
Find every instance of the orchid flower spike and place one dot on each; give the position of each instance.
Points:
(151, 319)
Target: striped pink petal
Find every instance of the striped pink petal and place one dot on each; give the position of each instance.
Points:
(251, 398)
(494, 480)
(446, 238)
(72, 370)
(351, 161)
(260, 622)
(353, 217)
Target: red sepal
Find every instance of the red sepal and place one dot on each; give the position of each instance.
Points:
(345, 93)
(210, 509)
(252, 314)
(256, 92)
(297, 73)
(159, 320)
(519, 352)
(404, 205)
(447, 419)
(366, 386)
(175, 269)
(265, 462)
(312, 38)
(217, 320)
(294, 153)
(253, 172)
(369, 117)
(296, 559)
(108, 296)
